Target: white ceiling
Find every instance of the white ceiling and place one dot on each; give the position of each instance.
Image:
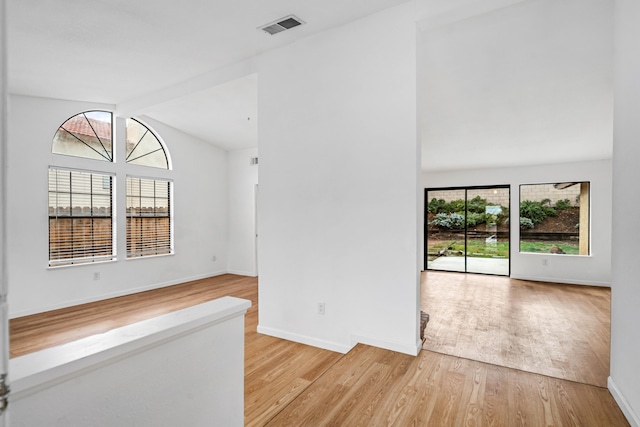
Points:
(121, 51)
(225, 115)
(112, 51)
(525, 84)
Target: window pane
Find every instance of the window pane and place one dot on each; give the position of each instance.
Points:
(148, 217)
(80, 222)
(554, 218)
(101, 205)
(162, 207)
(85, 135)
(133, 202)
(162, 190)
(59, 181)
(144, 147)
(81, 182)
(147, 188)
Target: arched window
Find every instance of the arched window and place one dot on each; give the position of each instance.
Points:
(143, 146)
(81, 203)
(149, 225)
(88, 135)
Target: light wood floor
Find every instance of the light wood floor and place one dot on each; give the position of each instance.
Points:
(552, 329)
(374, 387)
(292, 384)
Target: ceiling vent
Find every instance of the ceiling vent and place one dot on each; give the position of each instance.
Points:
(281, 25)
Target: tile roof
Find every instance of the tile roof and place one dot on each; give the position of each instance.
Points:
(81, 125)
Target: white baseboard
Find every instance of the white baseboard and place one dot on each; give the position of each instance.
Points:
(412, 350)
(303, 339)
(563, 281)
(114, 294)
(627, 410)
(242, 273)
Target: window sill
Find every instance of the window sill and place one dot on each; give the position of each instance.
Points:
(84, 264)
(149, 256)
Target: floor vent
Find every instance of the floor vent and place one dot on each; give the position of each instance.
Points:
(281, 24)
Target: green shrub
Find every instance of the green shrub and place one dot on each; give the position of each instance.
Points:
(474, 218)
(435, 205)
(525, 223)
(536, 211)
(563, 204)
(533, 211)
(476, 205)
(448, 220)
(453, 206)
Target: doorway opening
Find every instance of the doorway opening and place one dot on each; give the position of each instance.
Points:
(467, 229)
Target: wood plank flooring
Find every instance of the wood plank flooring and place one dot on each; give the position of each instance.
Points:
(552, 329)
(374, 387)
(39, 331)
(292, 384)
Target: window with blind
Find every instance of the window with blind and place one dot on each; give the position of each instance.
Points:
(148, 217)
(80, 217)
(82, 211)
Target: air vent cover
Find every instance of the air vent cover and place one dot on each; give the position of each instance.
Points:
(282, 24)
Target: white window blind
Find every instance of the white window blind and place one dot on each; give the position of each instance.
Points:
(80, 217)
(148, 217)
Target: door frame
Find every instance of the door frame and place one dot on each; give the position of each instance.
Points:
(4, 309)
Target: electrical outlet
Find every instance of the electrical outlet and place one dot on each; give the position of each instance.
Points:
(321, 308)
(96, 275)
(214, 258)
(545, 262)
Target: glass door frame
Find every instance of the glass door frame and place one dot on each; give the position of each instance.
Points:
(466, 227)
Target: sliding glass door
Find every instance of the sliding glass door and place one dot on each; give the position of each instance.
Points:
(444, 222)
(467, 229)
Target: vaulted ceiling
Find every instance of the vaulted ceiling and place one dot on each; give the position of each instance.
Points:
(122, 52)
(524, 84)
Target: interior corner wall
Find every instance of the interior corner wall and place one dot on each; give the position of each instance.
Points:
(243, 178)
(200, 214)
(338, 186)
(624, 382)
(594, 269)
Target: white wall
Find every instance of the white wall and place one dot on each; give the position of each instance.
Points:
(594, 269)
(624, 382)
(339, 186)
(184, 368)
(243, 178)
(200, 214)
